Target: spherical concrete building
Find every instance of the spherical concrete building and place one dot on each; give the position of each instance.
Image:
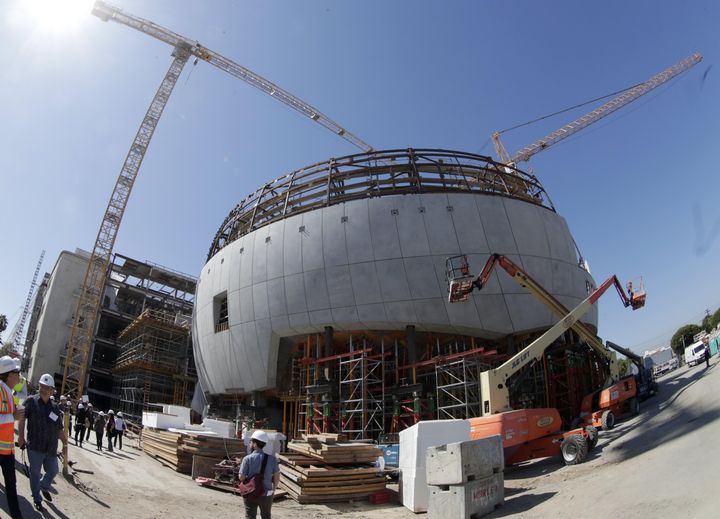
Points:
(359, 244)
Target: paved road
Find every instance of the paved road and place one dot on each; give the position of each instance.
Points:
(664, 463)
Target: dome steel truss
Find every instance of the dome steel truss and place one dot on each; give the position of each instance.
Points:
(374, 174)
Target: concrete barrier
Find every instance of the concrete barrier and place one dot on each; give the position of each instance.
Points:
(468, 501)
(459, 463)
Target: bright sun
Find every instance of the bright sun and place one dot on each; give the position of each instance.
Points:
(56, 16)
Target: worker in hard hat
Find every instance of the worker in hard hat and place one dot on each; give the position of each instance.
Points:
(20, 390)
(99, 429)
(258, 462)
(80, 415)
(89, 420)
(44, 428)
(9, 377)
(120, 427)
(110, 429)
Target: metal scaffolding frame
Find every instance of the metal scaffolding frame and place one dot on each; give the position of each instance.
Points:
(362, 396)
(458, 389)
(151, 367)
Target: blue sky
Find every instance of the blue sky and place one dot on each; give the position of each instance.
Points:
(638, 189)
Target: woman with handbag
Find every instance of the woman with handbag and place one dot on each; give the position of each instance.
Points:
(259, 477)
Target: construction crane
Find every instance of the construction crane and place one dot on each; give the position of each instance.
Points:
(17, 335)
(586, 120)
(79, 345)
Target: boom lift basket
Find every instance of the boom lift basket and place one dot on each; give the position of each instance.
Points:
(636, 293)
(459, 279)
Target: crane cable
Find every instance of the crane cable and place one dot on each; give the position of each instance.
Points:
(570, 108)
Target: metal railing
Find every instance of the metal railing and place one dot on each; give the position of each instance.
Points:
(374, 174)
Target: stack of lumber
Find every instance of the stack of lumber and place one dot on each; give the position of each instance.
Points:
(176, 449)
(164, 446)
(322, 469)
(332, 449)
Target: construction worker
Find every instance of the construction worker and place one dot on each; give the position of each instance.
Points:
(89, 420)
(20, 391)
(45, 427)
(119, 430)
(80, 415)
(707, 355)
(110, 429)
(99, 429)
(253, 464)
(9, 377)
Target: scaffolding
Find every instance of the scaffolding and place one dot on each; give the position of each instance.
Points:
(458, 389)
(152, 367)
(362, 393)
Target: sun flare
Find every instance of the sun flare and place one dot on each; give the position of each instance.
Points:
(56, 16)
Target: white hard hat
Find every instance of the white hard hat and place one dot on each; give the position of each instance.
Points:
(47, 380)
(101, 413)
(111, 411)
(80, 406)
(260, 436)
(63, 397)
(8, 364)
(120, 414)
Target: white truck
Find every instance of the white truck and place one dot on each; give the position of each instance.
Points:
(695, 353)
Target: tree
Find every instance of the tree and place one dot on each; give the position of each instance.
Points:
(7, 348)
(3, 325)
(624, 367)
(684, 337)
(714, 319)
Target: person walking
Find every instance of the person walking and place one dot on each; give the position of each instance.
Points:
(120, 427)
(110, 429)
(80, 416)
(99, 429)
(44, 428)
(9, 377)
(707, 355)
(255, 463)
(89, 420)
(65, 406)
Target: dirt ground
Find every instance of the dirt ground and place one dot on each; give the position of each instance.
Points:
(659, 464)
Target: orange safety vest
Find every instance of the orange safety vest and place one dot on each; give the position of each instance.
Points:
(7, 420)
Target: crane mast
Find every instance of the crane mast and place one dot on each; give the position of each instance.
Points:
(84, 320)
(603, 111)
(17, 336)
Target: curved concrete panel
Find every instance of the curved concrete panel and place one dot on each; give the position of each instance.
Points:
(376, 264)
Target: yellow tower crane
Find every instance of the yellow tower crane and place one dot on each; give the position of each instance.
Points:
(586, 120)
(88, 306)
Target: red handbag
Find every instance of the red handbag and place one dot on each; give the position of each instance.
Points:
(254, 486)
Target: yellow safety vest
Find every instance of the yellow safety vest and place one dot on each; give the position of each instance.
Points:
(20, 390)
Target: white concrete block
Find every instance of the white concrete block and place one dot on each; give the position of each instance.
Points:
(415, 440)
(413, 490)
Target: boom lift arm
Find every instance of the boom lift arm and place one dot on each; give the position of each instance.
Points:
(493, 383)
(603, 111)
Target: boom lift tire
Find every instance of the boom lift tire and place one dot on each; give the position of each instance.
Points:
(607, 420)
(574, 449)
(592, 437)
(634, 407)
